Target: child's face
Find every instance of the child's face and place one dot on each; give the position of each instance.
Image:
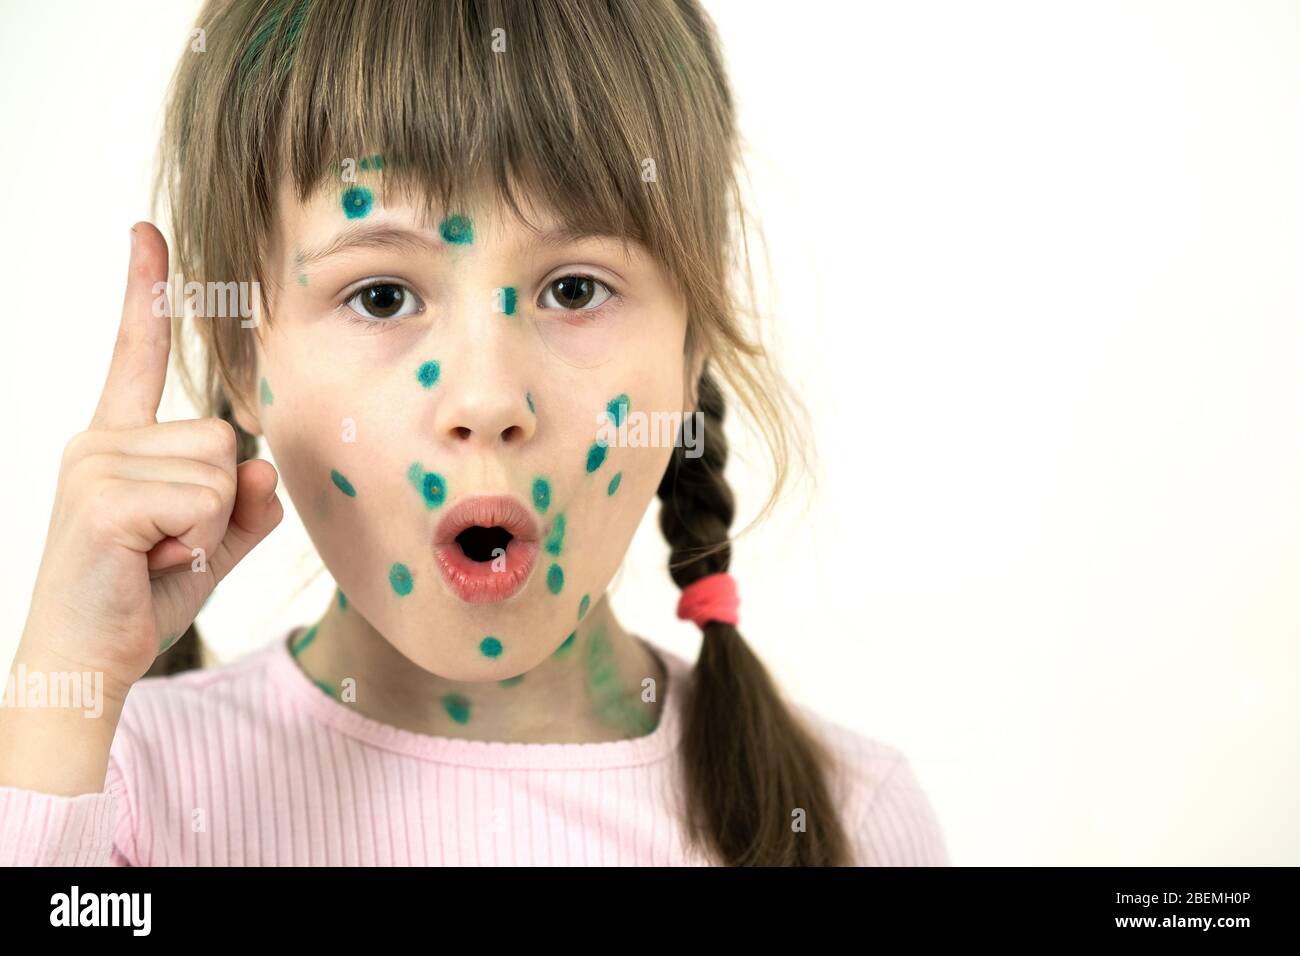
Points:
(411, 366)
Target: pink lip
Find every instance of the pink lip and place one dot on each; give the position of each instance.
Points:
(475, 582)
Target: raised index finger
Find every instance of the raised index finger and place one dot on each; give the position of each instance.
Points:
(138, 371)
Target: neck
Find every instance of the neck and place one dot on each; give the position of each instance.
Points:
(587, 691)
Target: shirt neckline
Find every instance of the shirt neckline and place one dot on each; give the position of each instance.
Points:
(308, 698)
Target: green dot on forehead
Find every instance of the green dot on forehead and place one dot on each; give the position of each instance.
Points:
(357, 202)
(399, 576)
(490, 647)
(428, 373)
(457, 229)
(541, 494)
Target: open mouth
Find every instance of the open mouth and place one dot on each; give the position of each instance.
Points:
(486, 547)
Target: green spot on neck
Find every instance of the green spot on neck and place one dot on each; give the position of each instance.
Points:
(457, 707)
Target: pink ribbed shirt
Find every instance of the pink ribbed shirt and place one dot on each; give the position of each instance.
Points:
(251, 764)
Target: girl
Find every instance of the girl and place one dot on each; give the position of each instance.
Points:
(491, 245)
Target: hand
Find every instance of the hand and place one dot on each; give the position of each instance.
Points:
(147, 517)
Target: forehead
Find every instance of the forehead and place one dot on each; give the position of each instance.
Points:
(372, 207)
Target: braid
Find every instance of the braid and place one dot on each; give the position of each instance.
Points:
(187, 653)
(749, 763)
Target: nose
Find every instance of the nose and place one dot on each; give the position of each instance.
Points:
(486, 401)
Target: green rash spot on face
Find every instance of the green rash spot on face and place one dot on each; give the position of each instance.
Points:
(509, 298)
(555, 540)
(457, 229)
(617, 409)
(596, 455)
(511, 681)
(343, 484)
(541, 494)
(357, 201)
(457, 707)
(555, 578)
(490, 647)
(532, 408)
(583, 605)
(301, 644)
(566, 646)
(428, 373)
(431, 485)
(399, 576)
(614, 483)
(267, 397)
(302, 280)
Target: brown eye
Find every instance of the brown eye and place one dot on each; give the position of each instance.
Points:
(384, 300)
(574, 292)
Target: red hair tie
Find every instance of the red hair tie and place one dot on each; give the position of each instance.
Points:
(711, 598)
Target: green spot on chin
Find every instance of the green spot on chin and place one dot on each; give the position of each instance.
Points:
(614, 483)
(555, 540)
(541, 494)
(343, 484)
(457, 707)
(457, 229)
(596, 455)
(428, 373)
(267, 397)
(490, 647)
(399, 576)
(583, 605)
(555, 578)
(617, 409)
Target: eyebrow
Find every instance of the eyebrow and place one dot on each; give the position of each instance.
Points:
(401, 239)
(395, 238)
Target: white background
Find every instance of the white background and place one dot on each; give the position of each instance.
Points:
(1035, 275)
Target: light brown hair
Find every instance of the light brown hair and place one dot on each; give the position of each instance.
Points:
(582, 95)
